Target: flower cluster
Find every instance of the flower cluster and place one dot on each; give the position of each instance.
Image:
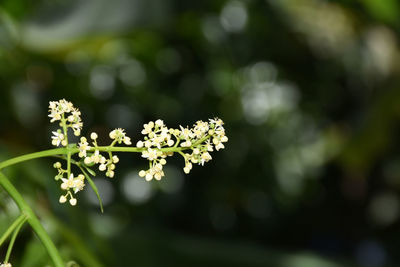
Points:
(69, 117)
(193, 144)
(157, 136)
(107, 165)
(71, 184)
(119, 136)
(161, 141)
(6, 264)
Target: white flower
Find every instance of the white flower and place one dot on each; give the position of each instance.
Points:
(110, 174)
(69, 116)
(55, 115)
(120, 136)
(72, 201)
(127, 141)
(209, 146)
(158, 172)
(83, 147)
(219, 146)
(6, 264)
(62, 199)
(76, 184)
(79, 183)
(96, 157)
(67, 183)
(187, 143)
(58, 138)
(87, 160)
(139, 144)
(148, 176)
(200, 129)
(170, 142)
(58, 108)
(188, 167)
(148, 143)
(159, 123)
(77, 126)
(217, 122)
(93, 136)
(205, 157)
(148, 128)
(186, 133)
(150, 154)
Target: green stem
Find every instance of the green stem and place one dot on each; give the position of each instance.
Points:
(68, 163)
(13, 237)
(73, 150)
(12, 227)
(41, 154)
(32, 220)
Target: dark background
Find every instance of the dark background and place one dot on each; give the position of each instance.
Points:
(309, 91)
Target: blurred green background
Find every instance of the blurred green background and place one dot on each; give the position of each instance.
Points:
(309, 91)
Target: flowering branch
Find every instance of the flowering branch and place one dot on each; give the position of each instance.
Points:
(160, 142)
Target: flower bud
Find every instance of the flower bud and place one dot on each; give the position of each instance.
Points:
(93, 136)
(72, 201)
(87, 160)
(57, 165)
(62, 199)
(149, 177)
(139, 144)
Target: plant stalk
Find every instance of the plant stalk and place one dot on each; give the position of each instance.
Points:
(32, 220)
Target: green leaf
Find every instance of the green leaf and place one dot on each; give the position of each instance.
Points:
(90, 171)
(94, 187)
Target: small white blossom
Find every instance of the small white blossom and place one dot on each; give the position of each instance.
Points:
(150, 154)
(186, 133)
(93, 136)
(62, 199)
(87, 160)
(58, 138)
(67, 183)
(139, 144)
(205, 157)
(96, 157)
(73, 201)
(79, 183)
(170, 142)
(148, 128)
(76, 184)
(83, 147)
(187, 143)
(159, 123)
(110, 174)
(120, 136)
